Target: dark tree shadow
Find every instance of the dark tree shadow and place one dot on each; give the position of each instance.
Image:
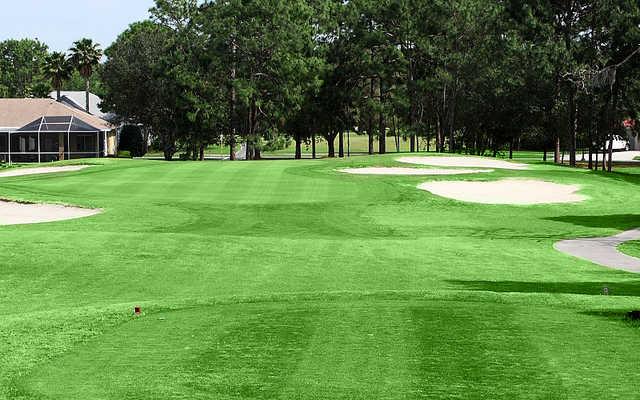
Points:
(625, 288)
(614, 221)
(619, 316)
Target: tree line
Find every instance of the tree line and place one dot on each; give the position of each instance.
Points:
(29, 69)
(468, 76)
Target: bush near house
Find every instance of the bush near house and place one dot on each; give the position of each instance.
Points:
(132, 140)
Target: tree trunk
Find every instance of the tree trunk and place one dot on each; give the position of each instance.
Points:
(298, 155)
(439, 135)
(396, 134)
(371, 116)
(86, 92)
(412, 143)
(58, 94)
(556, 153)
(511, 149)
(232, 106)
(382, 137)
(201, 157)
(573, 120)
(313, 146)
(612, 125)
(331, 145)
(341, 144)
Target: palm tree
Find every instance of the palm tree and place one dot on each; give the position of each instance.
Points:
(58, 69)
(85, 56)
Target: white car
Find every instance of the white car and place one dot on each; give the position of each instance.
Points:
(619, 144)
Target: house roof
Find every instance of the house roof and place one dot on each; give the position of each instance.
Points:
(77, 99)
(16, 113)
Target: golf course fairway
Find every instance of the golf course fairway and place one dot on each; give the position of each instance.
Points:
(292, 280)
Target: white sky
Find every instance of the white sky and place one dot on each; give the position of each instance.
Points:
(59, 23)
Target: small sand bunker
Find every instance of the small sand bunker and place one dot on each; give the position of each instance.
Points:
(13, 213)
(40, 170)
(410, 171)
(467, 162)
(505, 191)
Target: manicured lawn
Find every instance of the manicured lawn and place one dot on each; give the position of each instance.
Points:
(286, 279)
(631, 248)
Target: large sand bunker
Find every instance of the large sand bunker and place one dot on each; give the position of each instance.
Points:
(13, 213)
(505, 191)
(467, 162)
(40, 170)
(410, 171)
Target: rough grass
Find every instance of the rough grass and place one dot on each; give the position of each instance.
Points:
(286, 279)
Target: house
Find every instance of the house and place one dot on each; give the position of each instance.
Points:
(41, 130)
(78, 100)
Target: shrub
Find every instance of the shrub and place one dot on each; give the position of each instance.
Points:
(132, 140)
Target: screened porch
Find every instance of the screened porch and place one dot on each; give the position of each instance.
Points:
(52, 139)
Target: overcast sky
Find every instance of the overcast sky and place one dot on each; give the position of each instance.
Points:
(59, 23)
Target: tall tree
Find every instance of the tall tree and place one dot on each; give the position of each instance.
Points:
(86, 55)
(20, 68)
(137, 88)
(58, 69)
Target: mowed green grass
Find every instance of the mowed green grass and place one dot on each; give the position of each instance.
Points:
(287, 279)
(631, 248)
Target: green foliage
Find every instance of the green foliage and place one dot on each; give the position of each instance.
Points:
(132, 140)
(58, 68)
(85, 56)
(20, 62)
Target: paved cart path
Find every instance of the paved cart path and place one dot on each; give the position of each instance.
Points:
(603, 251)
(40, 170)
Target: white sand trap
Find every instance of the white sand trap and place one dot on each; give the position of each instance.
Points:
(40, 170)
(505, 191)
(13, 213)
(468, 162)
(410, 171)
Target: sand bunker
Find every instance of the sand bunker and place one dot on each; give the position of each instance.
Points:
(410, 171)
(13, 213)
(40, 170)
(505, 191)
(468, 162)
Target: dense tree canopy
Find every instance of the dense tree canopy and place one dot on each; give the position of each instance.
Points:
(20, 74)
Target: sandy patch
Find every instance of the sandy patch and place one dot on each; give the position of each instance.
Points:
(467, 162)
(40, 170)
(506, 191)
(13, 213)
(410, 171)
